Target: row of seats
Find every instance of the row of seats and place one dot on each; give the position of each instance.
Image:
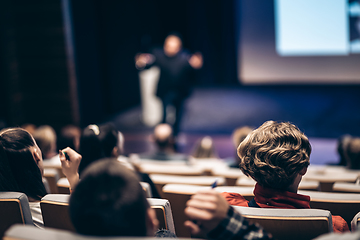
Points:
(282, 223)
(15, 208)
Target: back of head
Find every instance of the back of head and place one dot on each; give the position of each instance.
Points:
(97, 142)
(163, 136)
(274, 153)
(69, 137)
(109, 201)
(204, 148)
(353, 153)
(18, 169)
(45, 138)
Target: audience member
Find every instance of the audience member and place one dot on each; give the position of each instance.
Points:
(165, 145)
(109, 201)
(238, 135)
(276, 156)
(45, 137)
(353, 153)
(29, 127)
(213, 218)
(205, 148)
(69, 137)
(21, 167)
(105, 141)
(342, 144)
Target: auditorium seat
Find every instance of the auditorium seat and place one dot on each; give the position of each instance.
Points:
(147, 189)
(52, 177)
(63, 186)
(179, 194)
(14, 208)
(292, 224)
(346, 187)
(160, 180)
(230, 174)
(163, 212)
(171, 170)
(346, 205)
(22, 232)
(328, 179)
(55, 211)
(355, 222)
(57, 166)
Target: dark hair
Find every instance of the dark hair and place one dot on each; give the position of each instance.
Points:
(109, 201)
(97, 142)
(18, 169)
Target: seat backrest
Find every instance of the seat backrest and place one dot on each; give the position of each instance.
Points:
(52, 177)
(55, 211)
(347, 205)
(14, 208)
(147, 189)
(21, 232)
(290, 223)
(63, 186)
(171, 169)
(163, 213)
(160, 180)
(328, 179)
(346, 187)
(179, 194)
(355, 222)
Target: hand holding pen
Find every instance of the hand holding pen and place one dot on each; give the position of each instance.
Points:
(206, 209)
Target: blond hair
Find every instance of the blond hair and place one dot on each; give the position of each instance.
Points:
(274, 154)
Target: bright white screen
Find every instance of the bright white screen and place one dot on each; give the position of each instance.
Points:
(299, 41)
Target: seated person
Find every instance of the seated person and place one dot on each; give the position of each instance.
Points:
(45, 138)
(276, 156)
(238, 136)
(352, 153)
(165, 145)
(109, 201)
(105, 141)
(204, 148)
(21, 168)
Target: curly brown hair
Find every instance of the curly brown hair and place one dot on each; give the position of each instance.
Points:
(274, 153)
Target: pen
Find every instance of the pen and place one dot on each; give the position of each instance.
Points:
(214, 185)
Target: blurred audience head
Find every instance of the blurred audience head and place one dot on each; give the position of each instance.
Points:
(69, 137)
(109, 201)
(163, 137)
(276, 155)
(238, 135)
(204, 148)
(21, 165)
(29, 127)
(98, 142)
(172, 44)
(352, 153)
(45, 137)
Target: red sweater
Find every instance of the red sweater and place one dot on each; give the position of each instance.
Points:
(272, 198)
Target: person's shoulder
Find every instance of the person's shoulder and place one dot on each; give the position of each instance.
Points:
(340, 225)
(235, 199)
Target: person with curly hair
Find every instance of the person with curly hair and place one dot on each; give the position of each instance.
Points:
(276, 155)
